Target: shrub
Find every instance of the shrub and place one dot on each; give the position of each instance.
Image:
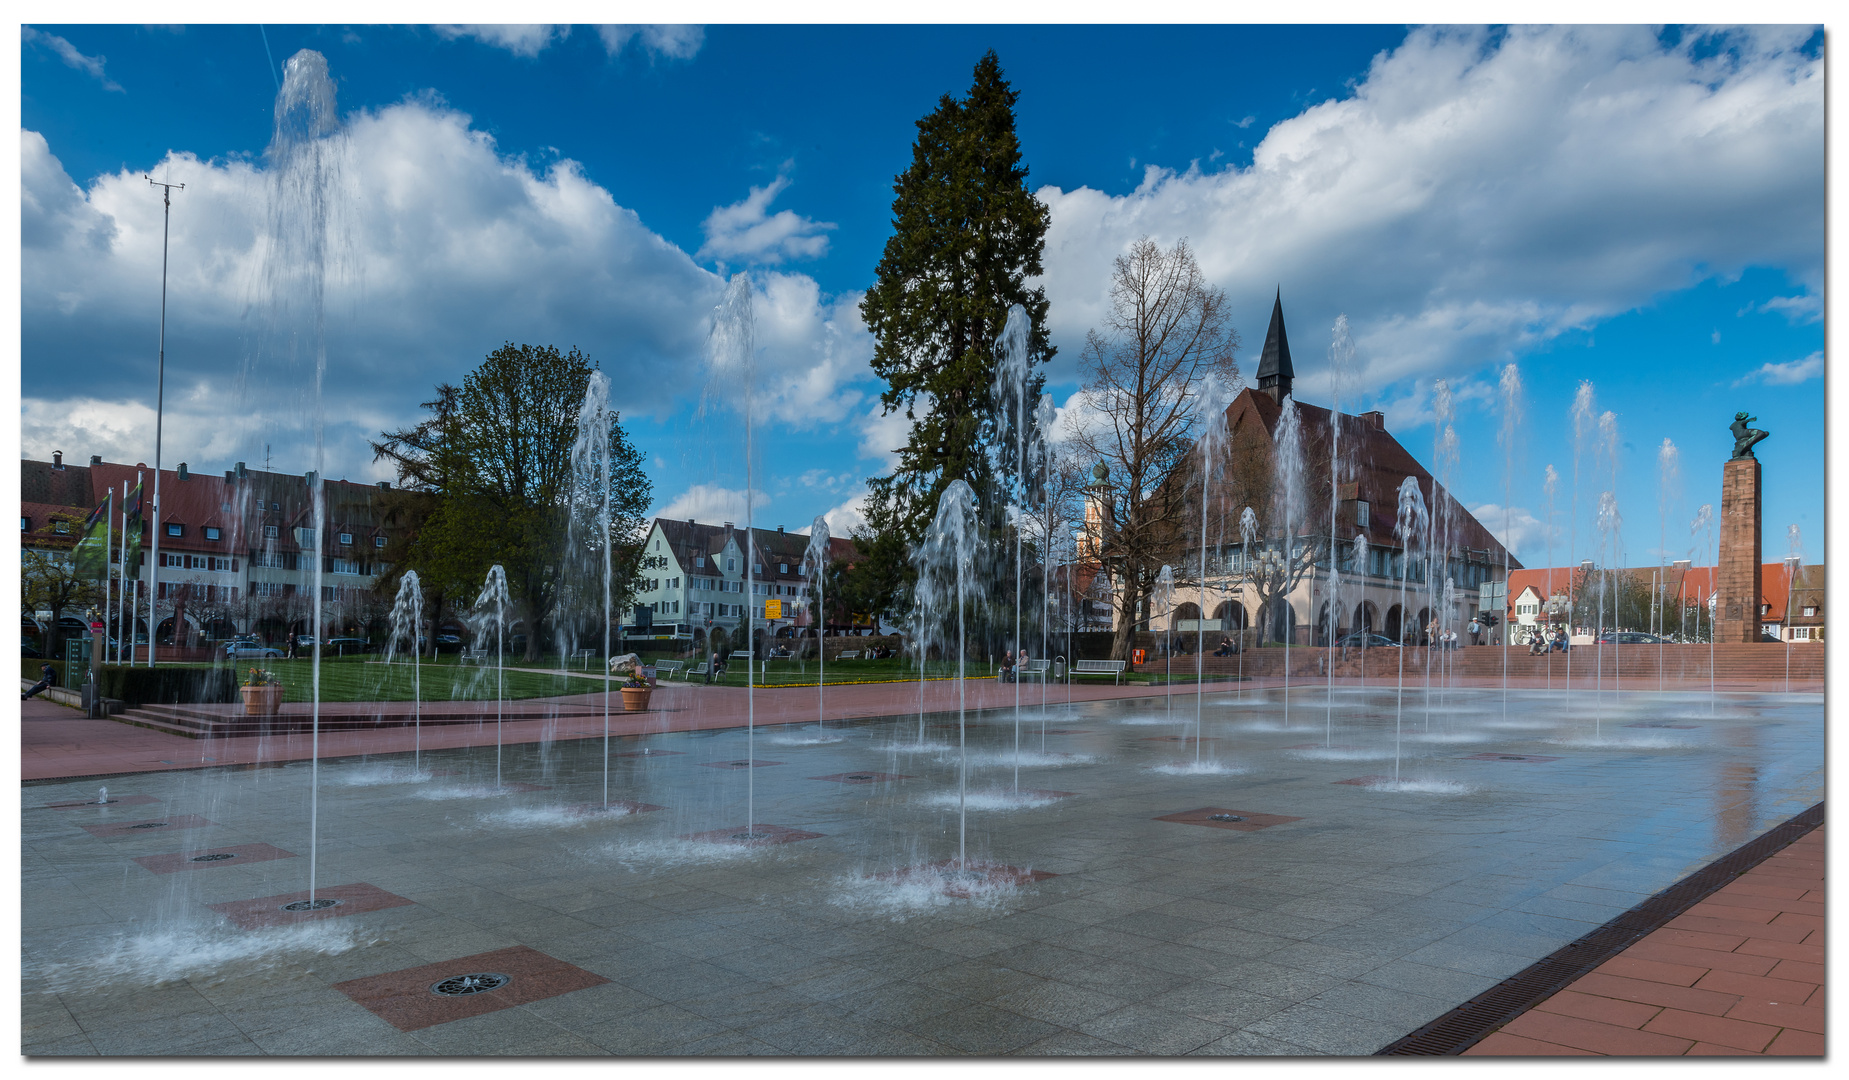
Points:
(29, 669)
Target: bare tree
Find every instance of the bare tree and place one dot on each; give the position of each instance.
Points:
(1167, 331)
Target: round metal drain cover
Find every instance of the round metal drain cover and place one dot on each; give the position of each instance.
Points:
(150, 825)
(221, 857)
(321, 904)
(479, 982)
(101, 802)
(751, 836)
(1224, 817)
(860, 776)
(1510, 757)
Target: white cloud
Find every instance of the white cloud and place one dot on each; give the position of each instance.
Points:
(521, 39)
(850, 515)
(90, 65)
(666, 41)
(448, 251)
(1522, 533)
(882, 436)
(1802, 308)
(1789, 373)
(745, 232)
(712, 504)
(1481, 193)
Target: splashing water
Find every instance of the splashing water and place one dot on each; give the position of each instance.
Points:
(1248, 531)
(1410, 523)
(590, 466)
(732, 361)
(1610, 524)
(1012, 374)
(212, 953)
(490, 613)
(1212, 448)
(947, 577)
(407, 623)
(1288, 479)
(1511, 384)
(815, 567)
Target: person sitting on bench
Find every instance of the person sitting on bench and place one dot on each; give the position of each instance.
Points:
(46, 677)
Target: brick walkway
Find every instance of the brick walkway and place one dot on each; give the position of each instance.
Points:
(1741, 973)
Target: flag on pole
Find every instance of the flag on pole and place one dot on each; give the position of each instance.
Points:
(131, 529)
(91, 556)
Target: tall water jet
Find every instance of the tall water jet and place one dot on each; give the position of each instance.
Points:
(1212, 448)
(1044, 416)
(1582, 418)
(1409, 524)
(590, 461)
(732, 359)
(1161, 600)
(1551, 486)
(1248, 531)
(1511, 385)
(1442, 522)
(1794, 562)
(815, 565)
(1341, 355)
(303, 248)
(1288, 481)
(1608, 451)
(1704, 524)
(491, 604)
(1610, 524)
(1668, 480)
(947, 574)
(408, 622)
(1010, 391)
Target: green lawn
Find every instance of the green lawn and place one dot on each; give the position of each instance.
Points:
(356, 678)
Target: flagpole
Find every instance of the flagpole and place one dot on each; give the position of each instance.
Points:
(109, 541)
(122, 638)
(160, 387)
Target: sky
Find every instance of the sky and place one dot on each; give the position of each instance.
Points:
(1641, 208)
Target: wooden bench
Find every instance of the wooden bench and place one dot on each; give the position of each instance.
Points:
(473, 655)
(584, 656)
(851, 654)
(1035, 669)
(666, 669)
(1113, 668)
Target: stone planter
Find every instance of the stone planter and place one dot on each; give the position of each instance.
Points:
(635, 699)
(261, 700)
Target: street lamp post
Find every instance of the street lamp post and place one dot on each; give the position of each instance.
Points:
(160, 388)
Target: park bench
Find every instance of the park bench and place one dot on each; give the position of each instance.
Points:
(1113, 668)
(583, 656)
(472, 655)
(1035, 669)
(667, 668)
(700, 668)
(851, 654)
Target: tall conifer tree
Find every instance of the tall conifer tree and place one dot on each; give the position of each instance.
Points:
(967, 234)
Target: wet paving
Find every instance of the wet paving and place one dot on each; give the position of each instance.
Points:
(1321, 881)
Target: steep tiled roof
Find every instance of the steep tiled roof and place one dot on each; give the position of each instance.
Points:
(1695, 584)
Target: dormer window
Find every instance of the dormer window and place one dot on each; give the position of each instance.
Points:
(699, 560)
(346, 538)
(176, 530)
(731, 566)
(1810, 612)
(1360, 514)
(61, 527)
(25, 524)
(378, 541)
(211, 532)
(783, 568)
(269, 532)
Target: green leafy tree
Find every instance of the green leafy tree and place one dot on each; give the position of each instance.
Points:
(967, 235)
(48, 578)
(495, 456)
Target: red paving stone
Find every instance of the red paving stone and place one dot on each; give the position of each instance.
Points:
(1701, 985)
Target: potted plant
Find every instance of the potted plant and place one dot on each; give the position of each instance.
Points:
(262, 692)
(635, 691)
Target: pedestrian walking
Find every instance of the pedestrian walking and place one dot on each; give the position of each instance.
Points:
(47, 676)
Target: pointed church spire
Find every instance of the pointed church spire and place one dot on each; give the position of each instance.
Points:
(1274, 371)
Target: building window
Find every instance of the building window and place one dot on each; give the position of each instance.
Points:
(343, 566)
(25, 524)
(305, 537)
(1810, 612)
(269, 532)
(699, 560)
(1361, 514)
(346, 538)
(378, 541)
(211, 532)
(783, 568)
(731, 566)
(176, 530)
(169, 559)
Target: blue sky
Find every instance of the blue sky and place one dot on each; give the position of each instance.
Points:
(1642, 209)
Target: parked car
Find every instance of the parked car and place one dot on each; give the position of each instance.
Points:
(31, 652)
(448, 643)
(1367, 641)
(345, 646)
(1630, 637)
(250, 650)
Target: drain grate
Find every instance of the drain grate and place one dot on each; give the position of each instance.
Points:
(1469, 1023)
(220, 857)
(150, 825)
(480, 982)
(1224, 817)
(858, 776)
(751, 836)
(321, 904)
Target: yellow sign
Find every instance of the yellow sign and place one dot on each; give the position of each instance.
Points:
(773, 609)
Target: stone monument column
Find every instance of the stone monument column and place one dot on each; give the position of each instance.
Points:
(1737, 617)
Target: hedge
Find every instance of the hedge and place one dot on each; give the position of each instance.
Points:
(136, 686)
(29, 669)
